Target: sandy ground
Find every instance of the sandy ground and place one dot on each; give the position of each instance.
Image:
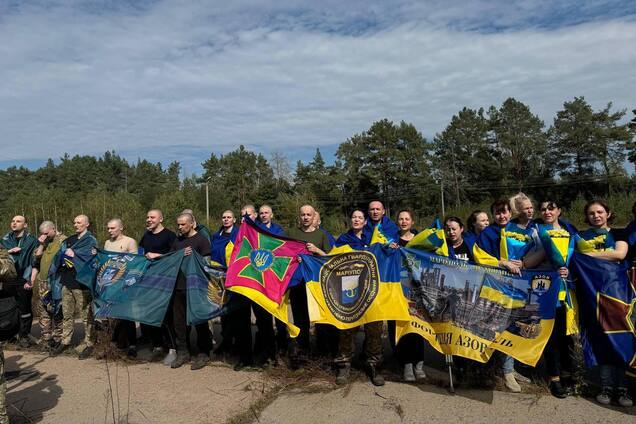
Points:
(65, 390)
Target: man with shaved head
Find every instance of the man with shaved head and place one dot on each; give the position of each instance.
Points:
(317, 243)
(76, 298)
(222, 244)
(240, 326)
(156, 241)
(125, 333)
(118, 242)
(50, 317)
(21, 246)
(188, 241)
(198, 227)
(377, 217)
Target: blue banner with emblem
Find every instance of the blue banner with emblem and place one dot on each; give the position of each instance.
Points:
(607, 305)
(134, 288)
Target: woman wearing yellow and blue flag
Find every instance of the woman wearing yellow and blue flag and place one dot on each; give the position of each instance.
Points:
(557, 237)
(476, 223)
(354, 240)
(503, 244)
(602, 242)
(409, 350)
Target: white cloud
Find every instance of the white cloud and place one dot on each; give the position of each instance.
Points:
(278, 76)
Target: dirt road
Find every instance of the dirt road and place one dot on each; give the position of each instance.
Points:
(65, 390)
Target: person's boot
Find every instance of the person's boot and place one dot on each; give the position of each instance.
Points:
(557, 390)
(58, 349)
(200, 361)
(183, 356)
(86, 353)
(375, 376)
(420, 374)
(343, 375)
(522, 378)
(408, 375)
(510, 383)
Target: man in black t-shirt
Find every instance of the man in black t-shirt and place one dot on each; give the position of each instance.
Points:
(189, 240)
(156, 241)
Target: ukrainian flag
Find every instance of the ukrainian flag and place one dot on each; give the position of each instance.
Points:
(515, 242)
(594, 240)
(496, 244)
(353, 288)
(431, 240)
(559, 247)
(502, 292)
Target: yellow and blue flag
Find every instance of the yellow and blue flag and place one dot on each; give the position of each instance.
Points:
(595, 240)
(354, 288)
(558, 245)
(503, 292)
(384, 232)
(496, 244)
(431, 239)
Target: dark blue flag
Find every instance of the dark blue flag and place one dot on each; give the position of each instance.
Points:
(607, 302)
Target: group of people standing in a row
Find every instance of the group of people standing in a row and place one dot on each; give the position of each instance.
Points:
(476, 242)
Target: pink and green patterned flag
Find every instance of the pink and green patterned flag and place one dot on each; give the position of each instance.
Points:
(260, 268)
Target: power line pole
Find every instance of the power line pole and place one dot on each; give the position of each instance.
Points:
(207, 202)
(441, 190)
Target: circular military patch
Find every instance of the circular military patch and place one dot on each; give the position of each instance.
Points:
(350, 282)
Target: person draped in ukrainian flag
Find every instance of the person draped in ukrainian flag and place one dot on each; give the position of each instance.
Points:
(409, 350)
(476, 223)
(557, 238)
(603, 242)
(503, 245)
(379, 228)
(354, 240)
(223, 241)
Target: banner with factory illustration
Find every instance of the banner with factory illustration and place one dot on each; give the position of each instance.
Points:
(470, 311)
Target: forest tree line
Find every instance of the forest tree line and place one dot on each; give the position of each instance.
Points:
(481, 155)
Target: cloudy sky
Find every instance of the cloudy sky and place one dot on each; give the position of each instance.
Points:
(179, 79)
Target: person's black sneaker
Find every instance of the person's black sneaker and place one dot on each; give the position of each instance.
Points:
(605, 397)
(375, 376)
(623, 398)
(181, 359)
(131, 352)
(200, 361)
(557, 390)
(157, 354)
(86, 353)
